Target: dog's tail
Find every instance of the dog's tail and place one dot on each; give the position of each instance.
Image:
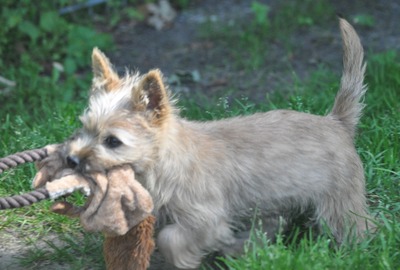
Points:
(348, 105)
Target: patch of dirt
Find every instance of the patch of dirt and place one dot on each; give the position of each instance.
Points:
(13, 247)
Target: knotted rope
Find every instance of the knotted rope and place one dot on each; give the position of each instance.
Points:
(15, 160)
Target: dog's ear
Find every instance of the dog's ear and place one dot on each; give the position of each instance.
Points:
(151, 97)
(104, 75)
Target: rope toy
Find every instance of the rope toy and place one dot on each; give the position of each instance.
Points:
(52, 190)
(117, 204)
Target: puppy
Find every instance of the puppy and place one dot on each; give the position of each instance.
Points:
(206, 177)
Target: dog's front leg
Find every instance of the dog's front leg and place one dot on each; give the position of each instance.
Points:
(179, 247)
(185, 247)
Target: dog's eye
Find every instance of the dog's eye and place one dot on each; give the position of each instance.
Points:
(112, 142)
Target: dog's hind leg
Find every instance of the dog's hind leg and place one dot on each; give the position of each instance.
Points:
(344, 216)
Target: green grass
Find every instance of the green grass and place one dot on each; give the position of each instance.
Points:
(44, 109)
(318, 253)
(77, 250)
(378, 144)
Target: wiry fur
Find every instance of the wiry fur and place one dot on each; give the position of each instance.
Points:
(207, 176)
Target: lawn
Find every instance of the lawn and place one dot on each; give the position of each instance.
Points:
(44, 105)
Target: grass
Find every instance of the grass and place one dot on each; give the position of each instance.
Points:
(378, 144)
(43, 109)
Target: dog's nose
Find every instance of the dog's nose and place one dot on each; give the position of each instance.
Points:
(72, 161)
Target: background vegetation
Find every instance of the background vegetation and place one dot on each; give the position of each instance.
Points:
(46, 56)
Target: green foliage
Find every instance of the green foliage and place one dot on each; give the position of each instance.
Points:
(35, 28)
(42, 52)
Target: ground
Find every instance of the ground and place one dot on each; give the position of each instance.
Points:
(184, 48)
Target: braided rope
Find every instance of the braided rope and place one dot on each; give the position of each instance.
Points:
(18, 201)
(15, 160)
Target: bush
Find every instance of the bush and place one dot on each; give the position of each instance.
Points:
(36, 29)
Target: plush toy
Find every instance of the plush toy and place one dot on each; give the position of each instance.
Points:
(117, 205)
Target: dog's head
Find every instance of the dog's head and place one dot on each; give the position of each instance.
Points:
(122, 122)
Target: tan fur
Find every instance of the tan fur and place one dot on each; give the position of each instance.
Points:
(207, 177)
(104, 73)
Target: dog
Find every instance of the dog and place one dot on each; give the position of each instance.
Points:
(207, 177)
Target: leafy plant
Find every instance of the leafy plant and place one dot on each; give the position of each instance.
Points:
(38, 47)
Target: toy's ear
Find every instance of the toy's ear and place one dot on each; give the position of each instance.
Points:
(151, 97)
(103, 72)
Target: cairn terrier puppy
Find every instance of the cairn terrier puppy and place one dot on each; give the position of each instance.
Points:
(206, 177)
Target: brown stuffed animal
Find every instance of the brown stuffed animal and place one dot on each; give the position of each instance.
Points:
(117, 205)
(132, 250)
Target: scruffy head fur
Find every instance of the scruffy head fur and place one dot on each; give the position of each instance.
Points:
(122, 121)
(207, 177)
